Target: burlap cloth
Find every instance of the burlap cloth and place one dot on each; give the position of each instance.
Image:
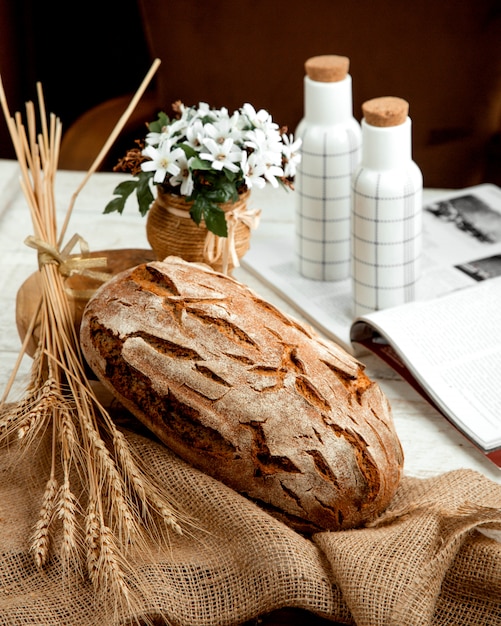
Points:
(424, 562)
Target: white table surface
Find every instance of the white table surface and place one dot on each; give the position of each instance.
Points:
(431, 445)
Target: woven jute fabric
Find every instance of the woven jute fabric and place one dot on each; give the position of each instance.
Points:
(425, 561)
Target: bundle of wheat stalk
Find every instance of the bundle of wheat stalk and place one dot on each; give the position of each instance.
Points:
(120, 511)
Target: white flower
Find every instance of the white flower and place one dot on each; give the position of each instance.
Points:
(163, 160)
(256, 139)
(177, 128)
(221, 155)
(195, 134)
(156, 138)
(268, 148)
(271, 173)
(224, 128)
(183, 177)
(260, 119)
(246, 143)
(219, 114)
(291, 154)
(253, 170)
(203, 110)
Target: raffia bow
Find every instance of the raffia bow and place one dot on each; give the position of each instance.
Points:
(216, 248)
(68, 263)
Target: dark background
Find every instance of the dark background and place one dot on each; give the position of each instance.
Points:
(444, 57)
(83, 53)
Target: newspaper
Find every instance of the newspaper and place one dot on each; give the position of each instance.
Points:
(449, 348)
(461, 245)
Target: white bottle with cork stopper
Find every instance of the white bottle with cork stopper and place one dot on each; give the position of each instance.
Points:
(330, 152)
(386, 210)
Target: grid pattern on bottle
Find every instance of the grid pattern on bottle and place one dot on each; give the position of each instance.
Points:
(386, 246)
(323, 187)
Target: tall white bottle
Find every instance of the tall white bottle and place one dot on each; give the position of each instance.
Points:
(386, 210)
(330, 152)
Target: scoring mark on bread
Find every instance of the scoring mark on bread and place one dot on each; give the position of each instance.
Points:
(388, 451)
(183, 423)
(333, 512)
(166, 347)
(323, 468)
(296, 361)
(211, 374)
(292, 495)
(310, 393)
(265, 378)
(224, 326)
(265, 462)
(280, 317)
(317, 435)
(240, 358)
(368, 468)
(150, 279)
(355, 384)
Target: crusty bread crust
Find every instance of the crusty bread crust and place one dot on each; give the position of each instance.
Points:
(245, 393)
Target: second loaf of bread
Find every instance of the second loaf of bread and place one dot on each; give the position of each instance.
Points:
(245, 393)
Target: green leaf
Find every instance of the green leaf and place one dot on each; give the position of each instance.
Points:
(123, 191)
(117, 204)
(216, 221)
(159, 124)
(143, 193)
(125, 188)
(197, 210)
(188, 150)
(200, 164)
(223, 192)
(231, 176)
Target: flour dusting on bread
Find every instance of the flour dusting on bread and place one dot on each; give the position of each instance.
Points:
(245, 393)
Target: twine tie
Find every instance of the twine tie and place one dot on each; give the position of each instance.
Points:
(221, 248)
(69, 264)
(224, 248)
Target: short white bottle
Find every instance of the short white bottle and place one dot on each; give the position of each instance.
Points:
(330, 152)
(386, 210)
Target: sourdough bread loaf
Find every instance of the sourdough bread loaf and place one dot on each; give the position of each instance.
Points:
(245, 393)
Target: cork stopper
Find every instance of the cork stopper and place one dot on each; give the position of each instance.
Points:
(327, 68)
(386, 111)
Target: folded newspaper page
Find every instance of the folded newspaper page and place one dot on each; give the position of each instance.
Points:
(451, 347)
